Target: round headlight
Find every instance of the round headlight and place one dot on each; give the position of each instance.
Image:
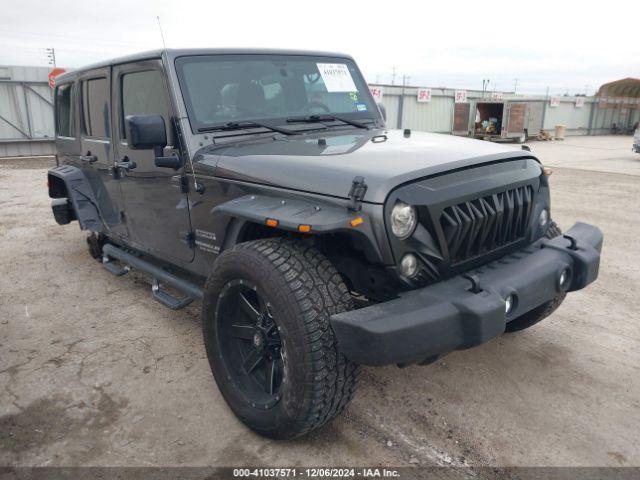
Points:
(403, 220)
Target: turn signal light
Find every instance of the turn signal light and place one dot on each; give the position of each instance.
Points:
(272, 222)
(304, 228)
(547, 171)
(356, 221)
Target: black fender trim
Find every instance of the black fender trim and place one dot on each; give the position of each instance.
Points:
(290, 213)
(79, 194)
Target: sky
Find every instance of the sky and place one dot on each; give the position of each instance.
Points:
(565, 46)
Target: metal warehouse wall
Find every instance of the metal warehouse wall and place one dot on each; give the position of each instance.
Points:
(576, 119)
(26, 112)
(437, 115)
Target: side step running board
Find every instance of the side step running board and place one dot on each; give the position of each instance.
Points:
(191, 290)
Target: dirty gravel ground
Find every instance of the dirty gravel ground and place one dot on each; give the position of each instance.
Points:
(93, 371)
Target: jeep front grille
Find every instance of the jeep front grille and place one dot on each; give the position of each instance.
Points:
(484, 224)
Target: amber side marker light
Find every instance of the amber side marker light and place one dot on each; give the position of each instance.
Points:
(356, 221)
(547, 171)
(304, 228)
(272, 222)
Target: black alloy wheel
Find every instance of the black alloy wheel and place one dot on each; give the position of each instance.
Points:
(250, 342)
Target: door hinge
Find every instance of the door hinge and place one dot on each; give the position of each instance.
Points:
(190, 240)
(356, 193)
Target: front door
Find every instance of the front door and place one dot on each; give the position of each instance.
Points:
(96, 153)
(156, 210)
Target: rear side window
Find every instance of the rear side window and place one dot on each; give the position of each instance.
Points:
(144, 93)
(95, 108)
(64, 118)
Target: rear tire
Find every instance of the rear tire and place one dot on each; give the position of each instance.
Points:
(534, 316)
(293, 290)
(96, 241)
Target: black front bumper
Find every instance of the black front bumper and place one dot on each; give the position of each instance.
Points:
(452, 314)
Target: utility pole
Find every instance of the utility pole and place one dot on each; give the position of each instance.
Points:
(393, 75)
(485, 86)
(51, 55)
(405, 82)
(515, 85)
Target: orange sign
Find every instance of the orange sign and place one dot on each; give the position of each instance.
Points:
(53, 74)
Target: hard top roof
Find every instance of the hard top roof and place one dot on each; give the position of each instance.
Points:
(180, 52)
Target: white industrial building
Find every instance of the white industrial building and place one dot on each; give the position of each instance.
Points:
(26, 112)
(27, 125)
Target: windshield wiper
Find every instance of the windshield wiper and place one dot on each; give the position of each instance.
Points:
(241, 125)
(326, 118)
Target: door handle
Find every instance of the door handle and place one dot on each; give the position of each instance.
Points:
(89, 158)
(126, 164)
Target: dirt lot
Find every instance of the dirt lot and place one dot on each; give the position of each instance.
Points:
(93, 371)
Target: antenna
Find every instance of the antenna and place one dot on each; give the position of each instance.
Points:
(164, 45)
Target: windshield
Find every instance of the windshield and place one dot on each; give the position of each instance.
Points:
(219, 89)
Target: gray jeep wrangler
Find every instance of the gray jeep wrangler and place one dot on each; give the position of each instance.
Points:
(266, 184)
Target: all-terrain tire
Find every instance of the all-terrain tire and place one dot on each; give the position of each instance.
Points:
(304, 290)
(95, 242)
(534, 316)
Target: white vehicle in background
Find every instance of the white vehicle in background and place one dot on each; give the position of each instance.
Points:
(636, 140)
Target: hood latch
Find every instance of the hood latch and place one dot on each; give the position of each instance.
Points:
(356, 194)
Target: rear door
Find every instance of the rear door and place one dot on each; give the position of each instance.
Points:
(97, 147)
(515, 119)
(157, 211)
(461, 113)
(66, 113)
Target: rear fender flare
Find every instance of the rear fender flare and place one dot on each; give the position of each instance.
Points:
(79, 194)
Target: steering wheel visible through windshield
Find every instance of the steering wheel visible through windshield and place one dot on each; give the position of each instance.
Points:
(223, 89)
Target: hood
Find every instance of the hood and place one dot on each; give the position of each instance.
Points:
(327, 164)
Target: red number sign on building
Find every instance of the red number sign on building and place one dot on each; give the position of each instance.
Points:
(53, 74)
(424, 95)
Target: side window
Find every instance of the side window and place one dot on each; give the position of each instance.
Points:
(95, 108)
(64, 124)
(144, 93)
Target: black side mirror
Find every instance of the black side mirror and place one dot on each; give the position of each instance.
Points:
(145, 131)
(149, 131)
(383, 111)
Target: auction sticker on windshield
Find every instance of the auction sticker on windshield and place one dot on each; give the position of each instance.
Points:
(336, 77)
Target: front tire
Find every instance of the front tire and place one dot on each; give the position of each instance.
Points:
(270, 346)
(541, 312)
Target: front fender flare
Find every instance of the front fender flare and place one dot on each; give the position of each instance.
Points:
(290, 213)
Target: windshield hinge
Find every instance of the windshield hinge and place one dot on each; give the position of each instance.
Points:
(184, 184)
(356, 193)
